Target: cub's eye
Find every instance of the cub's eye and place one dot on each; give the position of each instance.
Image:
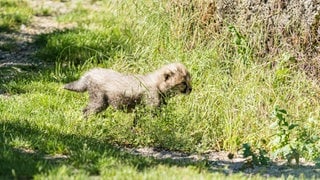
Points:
(184, 83)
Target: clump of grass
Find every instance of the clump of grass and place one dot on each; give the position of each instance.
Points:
(78, 46)
(14, 13)
(44, 12)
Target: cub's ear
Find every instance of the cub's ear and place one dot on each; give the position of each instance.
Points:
(170, 71)
(168, 74)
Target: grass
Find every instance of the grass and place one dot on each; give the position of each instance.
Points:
(231, 104)
(13, 14)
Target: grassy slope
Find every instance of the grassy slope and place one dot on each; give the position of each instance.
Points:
(231, 103)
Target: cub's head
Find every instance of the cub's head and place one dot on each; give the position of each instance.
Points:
(175, 79)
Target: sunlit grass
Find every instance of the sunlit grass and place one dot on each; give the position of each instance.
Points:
(14, 13)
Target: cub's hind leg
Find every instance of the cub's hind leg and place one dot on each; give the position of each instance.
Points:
(97, 103)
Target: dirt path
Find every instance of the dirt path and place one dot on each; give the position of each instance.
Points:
(22, 50)
(22, 55)
(220, 162)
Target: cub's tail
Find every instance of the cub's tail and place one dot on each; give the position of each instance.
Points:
(78, 86)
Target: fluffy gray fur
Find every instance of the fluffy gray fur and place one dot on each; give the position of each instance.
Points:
(107, 87)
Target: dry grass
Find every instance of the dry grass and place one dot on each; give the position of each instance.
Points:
(271, 27)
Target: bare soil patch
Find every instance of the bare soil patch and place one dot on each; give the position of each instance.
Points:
(221, 162)
(21, 49)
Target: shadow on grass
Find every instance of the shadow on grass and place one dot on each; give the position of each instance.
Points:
(27, 162)
(55, 56)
